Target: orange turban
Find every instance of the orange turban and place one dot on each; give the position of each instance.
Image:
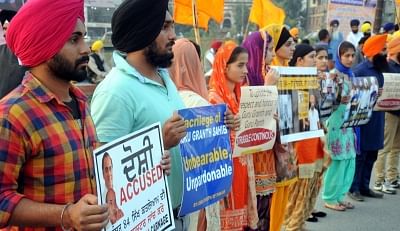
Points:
(394, 46)
(294, 32)
(374, 45)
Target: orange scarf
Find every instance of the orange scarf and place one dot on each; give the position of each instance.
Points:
(218, 81)
(186, 71)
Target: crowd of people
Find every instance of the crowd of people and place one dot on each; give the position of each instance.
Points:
(48, 131)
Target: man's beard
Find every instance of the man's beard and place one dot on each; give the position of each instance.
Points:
(355, 31)
(380, 62)
(157, 59)
(64, 70)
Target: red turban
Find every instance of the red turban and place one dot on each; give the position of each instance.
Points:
(41, 28)
(216, 45)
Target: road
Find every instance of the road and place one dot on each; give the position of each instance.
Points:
(370, 215)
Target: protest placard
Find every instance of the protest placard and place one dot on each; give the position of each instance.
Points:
(139, 199)
(257, 124)
(327, 97)
(390, 98)
(363, 97)
(206, 157)
(299, 91)
(344, 11)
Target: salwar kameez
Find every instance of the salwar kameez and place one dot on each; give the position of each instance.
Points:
(338, 179)
(286, 171)
(265, 179)
(309, 154)
(341, 146)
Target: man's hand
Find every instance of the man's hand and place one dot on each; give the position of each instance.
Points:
(166, 162)
(173, 131)
(86, 214)
(231, 121)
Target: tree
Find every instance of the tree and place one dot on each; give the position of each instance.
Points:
(242, 16)
(295, 12)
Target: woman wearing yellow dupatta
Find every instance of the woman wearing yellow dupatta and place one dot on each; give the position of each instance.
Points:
(238, 209)
(284, 156)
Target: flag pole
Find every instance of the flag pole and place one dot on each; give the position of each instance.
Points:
(396, 10)
(195, 22)
(246, 31)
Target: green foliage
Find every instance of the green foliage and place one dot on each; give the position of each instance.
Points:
(295, 12)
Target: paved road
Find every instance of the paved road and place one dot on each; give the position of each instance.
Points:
(370, 215)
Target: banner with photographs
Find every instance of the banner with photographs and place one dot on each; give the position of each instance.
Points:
(130, 180)
(327, 97)
(257, 124)
(363, 97)
(206, 158)
(390, 98)
(299, 91)
(343, 11)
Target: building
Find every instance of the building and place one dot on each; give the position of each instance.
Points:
(98, 14)
(231, 10)
(316, 15)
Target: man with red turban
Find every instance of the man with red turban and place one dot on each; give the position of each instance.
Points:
(46, 132)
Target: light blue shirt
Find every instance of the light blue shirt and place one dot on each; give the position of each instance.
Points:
(126, 101)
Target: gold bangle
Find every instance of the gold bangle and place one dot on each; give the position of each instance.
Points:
(62, 215)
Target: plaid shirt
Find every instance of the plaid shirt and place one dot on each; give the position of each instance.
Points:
(45, 156)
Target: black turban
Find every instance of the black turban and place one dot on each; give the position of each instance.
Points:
(285, 36)
(300, 51)
(334, 22)
(136, 24)
(354, 22)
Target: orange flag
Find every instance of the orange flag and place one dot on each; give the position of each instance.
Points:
(265, 12)
(206, 9)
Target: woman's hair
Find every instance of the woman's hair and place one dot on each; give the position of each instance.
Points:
(320, 48)
(235, 53)
(300, 51)
(198, 49)
(269, 38)
(344, 47)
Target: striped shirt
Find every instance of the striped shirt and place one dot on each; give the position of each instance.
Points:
(45, 154)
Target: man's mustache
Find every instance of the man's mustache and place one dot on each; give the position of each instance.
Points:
(82, 60)
(170, 44)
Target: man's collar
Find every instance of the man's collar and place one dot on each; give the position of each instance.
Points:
(124, 66)
(43, 94)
